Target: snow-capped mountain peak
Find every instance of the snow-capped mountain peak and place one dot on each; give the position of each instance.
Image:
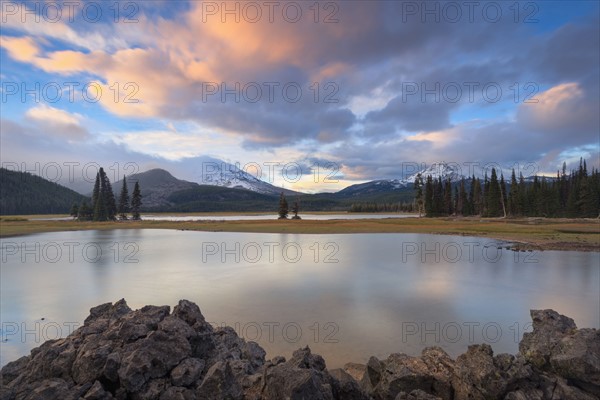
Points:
(215, 172)
(436, 171)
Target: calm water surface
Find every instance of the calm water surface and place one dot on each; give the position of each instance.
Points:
(346, 296)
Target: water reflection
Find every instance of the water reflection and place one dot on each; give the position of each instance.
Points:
(346, 296)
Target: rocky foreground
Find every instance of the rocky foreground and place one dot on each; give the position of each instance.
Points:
(155, 354)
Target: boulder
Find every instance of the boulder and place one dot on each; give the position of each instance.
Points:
(556, 345)
(152, 353)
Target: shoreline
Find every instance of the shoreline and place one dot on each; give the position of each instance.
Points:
(156, 352)
(522, 234)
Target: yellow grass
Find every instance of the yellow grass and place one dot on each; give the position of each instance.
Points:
(526, 233)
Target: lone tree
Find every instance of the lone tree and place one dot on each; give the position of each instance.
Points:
(136, 202)
(295, 209)
(283, 207)
(124, 201)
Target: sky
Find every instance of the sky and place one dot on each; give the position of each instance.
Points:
(309, 95)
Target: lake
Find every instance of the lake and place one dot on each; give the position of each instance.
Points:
(346, 296)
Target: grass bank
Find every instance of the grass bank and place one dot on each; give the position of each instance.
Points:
(524, 233)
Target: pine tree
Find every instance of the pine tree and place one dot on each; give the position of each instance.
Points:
(438, 197)
(429, 208)
(587, 201)
(485, 196)
(513, 196)
(462, 201)
(295, 209)
(564, 190)
(84, 212)
(595, 185)
(103, 199)
(573, 197)
(477, 198)
(283, 207)
(448, 209)
(522, 193)
(457, 209)
(503, 198)
(124, 201)
(100, 213)
(109, 198)
(493, 196)
(471, 203)
(136, 202)
(74, 210)
(534, 198)
(96, 198)
(419, 193)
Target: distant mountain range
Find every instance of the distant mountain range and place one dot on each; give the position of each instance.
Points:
(222, 187)
(161, 191)
(439, 170)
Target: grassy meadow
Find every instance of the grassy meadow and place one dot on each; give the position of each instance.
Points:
(524, 233)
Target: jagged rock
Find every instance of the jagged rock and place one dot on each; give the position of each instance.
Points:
(178, 393)
(49, 389)
(187, 372)
(90, 360)
(97, 392)
(151, 357)
(355, 370)
(301, 377)
(13, 369)
(577, 358)
(493, 377)
(219, 383)
(372, 374)
(402, 373)
(416, 395)
(154, 354)
(190, 313)
(345, 386)
(549, 327)
(556, 345)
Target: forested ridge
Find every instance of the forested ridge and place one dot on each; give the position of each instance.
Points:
(574, 194)
(568, 194)
(25, 193)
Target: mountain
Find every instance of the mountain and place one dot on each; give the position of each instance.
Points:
(24, 193)
(437, 170)
(371, 188)
(214, 198)
(219, 173)
(161, 191)
(405, 185)
(156, 185)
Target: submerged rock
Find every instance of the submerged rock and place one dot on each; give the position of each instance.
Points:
(153, 353)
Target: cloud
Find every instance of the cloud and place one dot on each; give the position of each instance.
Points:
(23, 49)
(158, 69)
(57, 22)
(165, 144)
(564, 110)
(53, 122)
